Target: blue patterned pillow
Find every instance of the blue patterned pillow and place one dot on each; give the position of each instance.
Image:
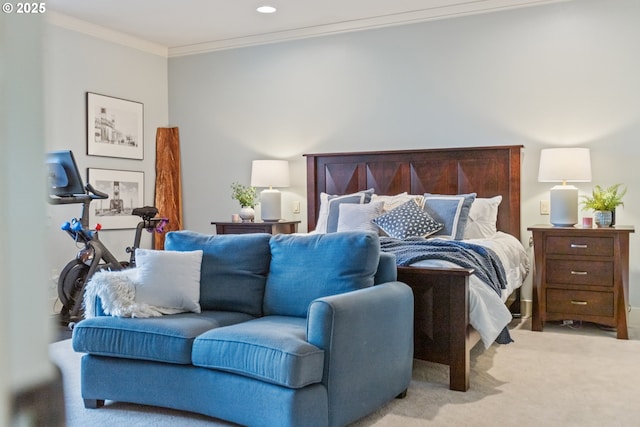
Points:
(407, 220)
(450, 210)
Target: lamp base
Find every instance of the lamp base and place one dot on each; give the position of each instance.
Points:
(564, 205)
(270, 205)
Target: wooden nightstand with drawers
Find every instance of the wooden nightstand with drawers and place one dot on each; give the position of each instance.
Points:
(581, 274)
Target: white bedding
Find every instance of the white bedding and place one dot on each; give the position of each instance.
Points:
(487, 312)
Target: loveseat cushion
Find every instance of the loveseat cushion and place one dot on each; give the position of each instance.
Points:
(272, 349)
(164, 339)
(306, 267)
(234, 268)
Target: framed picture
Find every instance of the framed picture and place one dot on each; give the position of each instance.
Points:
(126, 192)
(114, 127)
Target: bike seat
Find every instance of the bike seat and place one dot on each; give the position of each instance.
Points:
(146, 212)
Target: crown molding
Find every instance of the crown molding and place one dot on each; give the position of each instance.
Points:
(78, 25)
(431, 14)
(463, 8)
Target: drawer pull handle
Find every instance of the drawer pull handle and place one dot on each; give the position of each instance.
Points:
(579, 302)
(577, 246)
(579, 273)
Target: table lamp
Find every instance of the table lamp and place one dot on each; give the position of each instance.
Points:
(270, 173)
(564, 165)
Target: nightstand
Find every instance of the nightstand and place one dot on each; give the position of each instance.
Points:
(279, 227)
(581, 274)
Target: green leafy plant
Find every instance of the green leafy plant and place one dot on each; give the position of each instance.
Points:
(246, 196)
(605, 199)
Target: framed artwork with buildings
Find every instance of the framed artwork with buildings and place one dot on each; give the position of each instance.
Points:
(115, 127)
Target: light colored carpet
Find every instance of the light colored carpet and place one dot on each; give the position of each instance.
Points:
(560, 377)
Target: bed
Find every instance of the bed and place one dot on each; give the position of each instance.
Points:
(442, 329)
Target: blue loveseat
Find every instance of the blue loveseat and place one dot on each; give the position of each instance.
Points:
(292, 332)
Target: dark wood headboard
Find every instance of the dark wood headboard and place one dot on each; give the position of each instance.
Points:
(487, 171)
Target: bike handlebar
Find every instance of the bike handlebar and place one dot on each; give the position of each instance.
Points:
(92, 194)
(95, 194)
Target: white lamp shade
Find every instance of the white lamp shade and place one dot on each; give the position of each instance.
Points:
(270, 173)
(565, 165)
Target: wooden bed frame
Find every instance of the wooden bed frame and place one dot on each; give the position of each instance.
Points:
(442, 333)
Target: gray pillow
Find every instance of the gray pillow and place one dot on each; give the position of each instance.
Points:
(354, 217)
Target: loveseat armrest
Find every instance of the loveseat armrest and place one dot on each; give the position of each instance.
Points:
(367, 336)
(98, 310)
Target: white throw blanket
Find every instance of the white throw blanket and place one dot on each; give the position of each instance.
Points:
(117, 291)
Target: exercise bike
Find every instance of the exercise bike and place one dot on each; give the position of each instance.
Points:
(94, 255)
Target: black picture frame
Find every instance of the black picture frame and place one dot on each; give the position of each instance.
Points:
(115, 127)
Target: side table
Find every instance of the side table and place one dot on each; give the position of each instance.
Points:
(581, 274)
(279, 227)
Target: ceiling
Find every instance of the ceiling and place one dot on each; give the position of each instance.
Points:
(192, 26)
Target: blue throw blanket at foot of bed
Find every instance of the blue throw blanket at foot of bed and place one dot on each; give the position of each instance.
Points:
(485, 262)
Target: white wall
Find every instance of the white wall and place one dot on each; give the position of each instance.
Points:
(564, 74)
(77, 63)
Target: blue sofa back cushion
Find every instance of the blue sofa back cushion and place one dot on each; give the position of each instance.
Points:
(306, 267)
(234, 268)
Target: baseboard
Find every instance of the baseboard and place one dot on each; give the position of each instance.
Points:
(634, 313)
(526, 308)
(634, 317)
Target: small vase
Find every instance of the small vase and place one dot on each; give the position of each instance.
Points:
(603, 218)
(247, 214)
(613, 217)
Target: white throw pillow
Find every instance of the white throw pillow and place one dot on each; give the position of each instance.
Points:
(483, 216)
(358, 217)
(392, 202)
(169, 279)
(116, 290)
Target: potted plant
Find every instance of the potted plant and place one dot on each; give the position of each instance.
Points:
(604, 201)
(247, 197)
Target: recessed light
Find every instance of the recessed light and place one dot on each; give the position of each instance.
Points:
(266, 9)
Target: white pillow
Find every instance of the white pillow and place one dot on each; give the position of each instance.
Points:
(117, 290)
(169, 279)
(358, 217)
(483, 216)
(392, 202)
